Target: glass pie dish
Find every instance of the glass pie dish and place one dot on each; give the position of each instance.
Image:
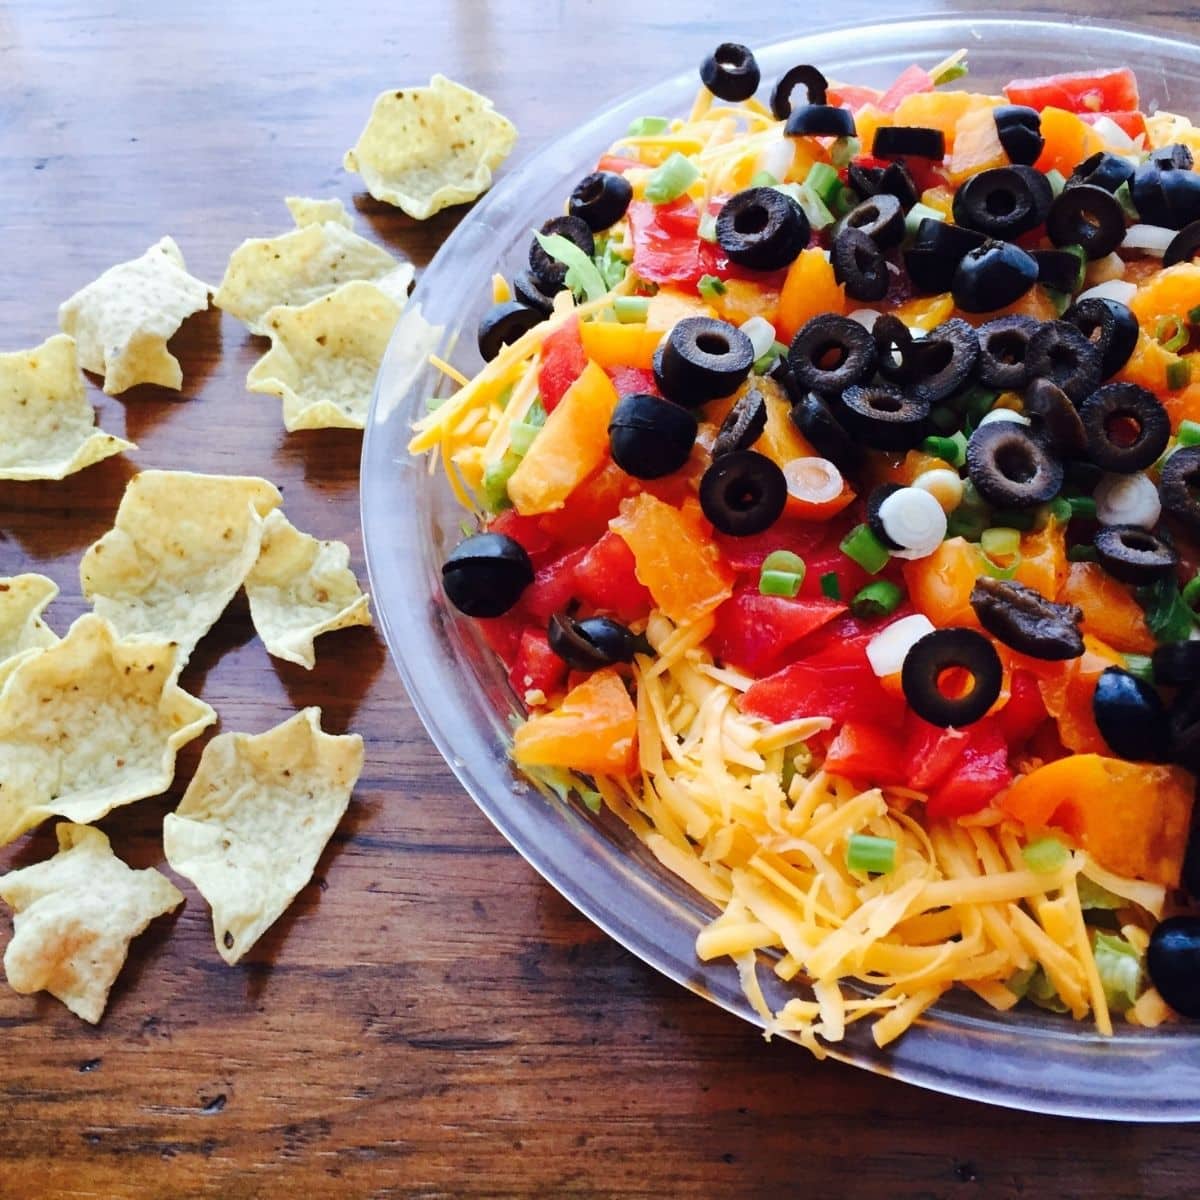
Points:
(1024, 1059)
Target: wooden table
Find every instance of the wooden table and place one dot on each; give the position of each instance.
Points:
(429, 1018)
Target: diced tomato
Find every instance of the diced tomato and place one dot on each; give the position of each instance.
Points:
(930, 752)
(525, 530)
(503, 635)
(617, 164)
(910, 81)
(1133, 123)
(980, 774)
(755, 632)
(852, 96)
(605, 579)
(849, 691)
(537, 667)
(869, 753)
(631, 381)
(563, 361)
(746, 554)
(553, 587)
(1085, 91)
(1025, 710)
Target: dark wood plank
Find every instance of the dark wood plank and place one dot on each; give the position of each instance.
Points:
(429, 1018)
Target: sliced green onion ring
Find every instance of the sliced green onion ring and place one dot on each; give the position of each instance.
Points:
(874, 855)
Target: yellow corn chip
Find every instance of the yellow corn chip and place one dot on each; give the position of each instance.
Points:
(306, 211)
(325, 355)
(74, 917)
(89, 724)
(180, 549)
(122, 320)
(301, 266)
(47, 427)
(255, 818)
(301, 588)
(426, 148)
(22, 630)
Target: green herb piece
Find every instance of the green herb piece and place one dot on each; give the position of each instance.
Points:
(831, 586)
(880, 598)
(647, 126)
(631, 310)
(866, 549)
(1167, 616)
(672, 179)
(875, 855)
(710, 287)
(1082, 506)
(1120, 968)
(1194, 315)
(1191, 593)
(1059, 509)
(583, 276)
(1045, 855)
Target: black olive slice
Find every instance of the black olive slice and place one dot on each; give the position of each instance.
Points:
(702, 359)
(1087, 216)
(830, 353)
(502, 324)
(892, 180)
(485, 574)
(944, 360)
(650, 437)
(743, 425)
(936, 251)
(1175, 157)
(812, 416)
(864, 181)
(1058, 351)
(1131, 717)
(1177, 664)
(1133, 554)
(549, 273)
(859, 264)
(1060, 270)
(881, 218)
(1021, 617)
(1019, 130)
(902, 141)
(533, 295)
(1173, 963)
(1056, 418)
(993, 276)
(1127, 427)
(1003, 202)
(1103, 170)
(1003, 346)
(731, 72)
(819, 120)
(874, 502)
(946, 650)
(1011, 468)
(896, 348)
(592, 643)
(1179, 487)
(1111, 325)
(883, 417)
(743, 493)
(600, 199)
(762, 229)
(806, 76)
(1184, 245)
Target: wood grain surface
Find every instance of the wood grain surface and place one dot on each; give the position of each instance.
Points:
(429, 1019)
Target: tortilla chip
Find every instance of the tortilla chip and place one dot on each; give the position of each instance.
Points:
(180, 548)
(90, 724)
(48, 427)
(22, 630)
(324, 357)
(301, 588)
(298, 267)
(123, 320)
(74, 917)
(255, 819)
(306, 211)
(426, 148)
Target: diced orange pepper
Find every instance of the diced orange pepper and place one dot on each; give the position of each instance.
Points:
(926, 312)
(940, 584)
(593, 730)
(1069, 699)
(1184, 405)
(1068, 141)
(1147, 366)
(611, 344)
(571, 445)
(669, 305)
(780, 440)
(674, 556)
(1131, 817)
(809, 290)
(1109, 611)
(1043, 564)
(940, 198)
(743, 299)
(977, 145)
(868, 119)
(1035, 303)
(942, 110)
(1174, 291)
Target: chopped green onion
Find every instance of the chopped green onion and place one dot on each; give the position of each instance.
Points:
(875, 855)
(1124, 198)
(1045, 855)
(953, 67)
(779, 583)
(1060, 300)
(878, 599)
(941, 447)
(1141, 665)
(1056, 181)
(672, 179)
(866, 549)
(1082, 506)
(647, 126)
(1167, 616)
(1191, 593)
(822, 180)
(995, 569)
(631, 310)
(1018, 981)
(495, 482)
(1080, 254)
(815, 209)
(1093, 896)
(1179, 374)
(1170, 332)
(1189, 433)
(843, 151)
(710, 287)
(1000, 541)
(583, 276)
(1059, 509)
(831, 586)
(918, 213)
(784, 560)
(1194, 315)
(842, 201)
(1082, 553)
(1043, 993)
(966, 522)
(591, 800)
(767, 361)
(521, 435)
(706, 231)
(764, 179)
(1120, 968)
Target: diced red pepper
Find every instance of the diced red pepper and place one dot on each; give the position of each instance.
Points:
(1025, 710)
(563, 361)
(1081, 92)
(845, 639)
(868, 753)
(630, 381)
(617, 163)
(755, 633)
(746, 554)
(553, 586)
(585, 515)
(980, 775)
(606, 580)
(1133, 123)
(524, 530)
(503, 635)
(930, 752)
(537, 667)
(849, 691)
(852, 96)
(909, 82)
(827, 558)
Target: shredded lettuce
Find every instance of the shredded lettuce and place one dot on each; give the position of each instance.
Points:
(1120, 968)
(583, 276)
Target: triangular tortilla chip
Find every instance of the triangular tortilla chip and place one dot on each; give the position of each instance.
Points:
(180, 548)
(47, 427)
(90, 724)
(255, 819)
(301, 588)
(22, 630)
(75, 915)
(123, 320)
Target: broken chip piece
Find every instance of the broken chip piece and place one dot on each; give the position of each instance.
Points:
(74, 917)
(325, 355)
(306, 211)
(47, 427)
(22, 630)
(123, 320)
(301, 588)
(179, 550)
(300, 266)
(90, 724)
(255, 818)
(426, 148)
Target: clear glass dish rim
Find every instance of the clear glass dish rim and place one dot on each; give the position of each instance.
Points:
(939, 1052)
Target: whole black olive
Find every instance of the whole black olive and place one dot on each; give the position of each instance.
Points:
(532, 295)
(1055, 418)
(819, 120)
(806, 76)
(485, 574)
(1019, 129)
(859, 265)
(1003, 347)
(1011, 468)
(762, 229)
(1170, 198)
(830, 353)
(993, 276)
(883, 417)
(1102, 169)
(1021, 617)
(1088, 216)
(932, 657)
(549, 273)
(944, 360)
(650, 437)
(1173, 963)
(743, 493)
(903, 141)
(743, 425)
(1003, 202)
(1058, 351)
(1175, 157)
(702, 359)
(731, 72)
(1130, 717)
(936, 252)
(1059, 270)
(1179, 484)
(881, 218)
(1184, 245)
(503, 324)
(1127, 427)
(600, 199)
(1111, 325)
(1177, 664)
(592, 643)
(812, 416)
